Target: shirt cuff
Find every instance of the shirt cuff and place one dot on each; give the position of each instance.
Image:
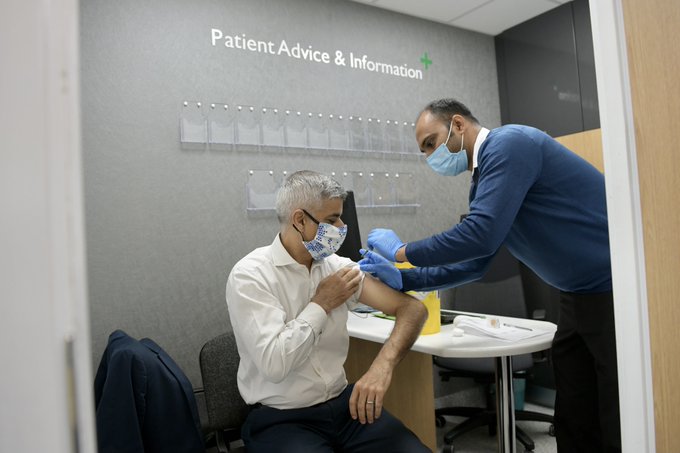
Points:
(315, 317)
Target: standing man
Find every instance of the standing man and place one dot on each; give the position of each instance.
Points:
(547, 205)
(288, 304)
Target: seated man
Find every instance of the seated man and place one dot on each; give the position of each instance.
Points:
(288, 303)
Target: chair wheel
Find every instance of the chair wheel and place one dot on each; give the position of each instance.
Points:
(439, 421)
(449, 448)
(551, 430)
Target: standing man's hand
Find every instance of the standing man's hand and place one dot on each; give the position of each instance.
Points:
(386, 242)
(335, 289)
(368, 394)
(379, 267)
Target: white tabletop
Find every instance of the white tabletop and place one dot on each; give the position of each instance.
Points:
(444, 344)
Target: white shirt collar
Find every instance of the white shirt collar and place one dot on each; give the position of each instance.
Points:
(483, 132)
(280, 256)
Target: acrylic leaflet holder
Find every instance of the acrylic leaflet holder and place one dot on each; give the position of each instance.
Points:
(261, 189)
(244, 127)
(371, 190)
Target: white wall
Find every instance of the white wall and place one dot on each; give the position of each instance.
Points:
(45, 384)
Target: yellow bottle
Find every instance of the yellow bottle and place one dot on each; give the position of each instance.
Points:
(433, 305)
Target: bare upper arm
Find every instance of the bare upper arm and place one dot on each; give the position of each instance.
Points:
(378, 295)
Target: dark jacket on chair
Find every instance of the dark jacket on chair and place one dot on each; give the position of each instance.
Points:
(144, 402)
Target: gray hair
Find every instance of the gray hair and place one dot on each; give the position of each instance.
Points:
(305, 189)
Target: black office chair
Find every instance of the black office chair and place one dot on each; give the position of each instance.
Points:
(500, 292)
(226, 409)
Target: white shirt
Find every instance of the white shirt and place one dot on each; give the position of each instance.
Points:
(292, 353)
(483, 132)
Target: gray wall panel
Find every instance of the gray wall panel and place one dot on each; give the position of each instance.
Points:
(165, 224)
(541, 74)
(586, 65)
(547, 71)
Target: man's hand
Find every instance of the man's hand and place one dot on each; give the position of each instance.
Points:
(366, 401)
(386, 242)
(379, 267)
(335, 289)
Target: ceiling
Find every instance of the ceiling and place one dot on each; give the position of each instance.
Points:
(490, 17)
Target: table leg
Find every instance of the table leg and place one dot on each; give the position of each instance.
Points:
(411, 394)
(505, 405)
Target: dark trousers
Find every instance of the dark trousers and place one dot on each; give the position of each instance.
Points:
(326, 427)
(584, 362)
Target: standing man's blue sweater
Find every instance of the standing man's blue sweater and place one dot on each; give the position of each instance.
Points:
(547, 205)
(543, 201)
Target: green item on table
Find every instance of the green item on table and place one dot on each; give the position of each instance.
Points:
(384, 316)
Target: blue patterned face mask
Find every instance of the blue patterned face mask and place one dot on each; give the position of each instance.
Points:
(327, 241)
(447, 163)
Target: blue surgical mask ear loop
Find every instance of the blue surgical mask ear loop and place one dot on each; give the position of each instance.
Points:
(448, 137)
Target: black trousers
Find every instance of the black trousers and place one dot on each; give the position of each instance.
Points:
(326, 427)
(584, 362)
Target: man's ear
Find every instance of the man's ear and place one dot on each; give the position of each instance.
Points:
(459, 123)
(298, 218)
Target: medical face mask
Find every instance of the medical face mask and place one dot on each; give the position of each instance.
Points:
(327, 241)
(447, 163)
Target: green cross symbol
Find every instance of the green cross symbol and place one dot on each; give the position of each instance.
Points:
(425, 60)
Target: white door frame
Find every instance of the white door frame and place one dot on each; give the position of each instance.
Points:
(625, 227)
(46, 379)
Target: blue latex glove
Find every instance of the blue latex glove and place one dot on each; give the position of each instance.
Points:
(384, 241)
(381, 268)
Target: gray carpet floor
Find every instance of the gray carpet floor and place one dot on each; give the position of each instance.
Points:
(478, 440)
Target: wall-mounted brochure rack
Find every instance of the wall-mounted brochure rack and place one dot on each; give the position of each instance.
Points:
(371, 189)
(237, 126)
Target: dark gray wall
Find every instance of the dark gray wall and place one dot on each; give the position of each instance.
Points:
(166, 224)
(546, 71)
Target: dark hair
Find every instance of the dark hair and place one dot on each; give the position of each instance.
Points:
(444, 109)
